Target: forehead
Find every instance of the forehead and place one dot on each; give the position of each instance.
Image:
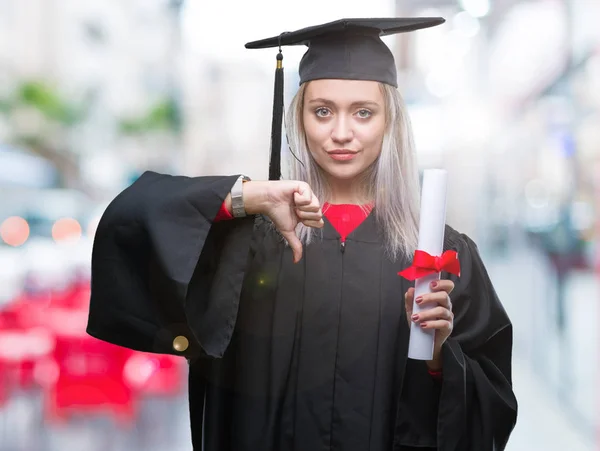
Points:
(344, 91)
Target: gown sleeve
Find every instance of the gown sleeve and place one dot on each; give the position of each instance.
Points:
(473, 407)
(166, 278)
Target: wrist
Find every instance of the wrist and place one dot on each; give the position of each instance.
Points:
(255, 197)
(436, 363)
(227, 204)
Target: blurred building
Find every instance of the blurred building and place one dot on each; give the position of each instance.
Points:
(113, 60)
(227, 109)
(441, 78)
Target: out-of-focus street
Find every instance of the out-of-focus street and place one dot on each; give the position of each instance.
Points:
(554, 382)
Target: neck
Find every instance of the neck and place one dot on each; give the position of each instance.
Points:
(347, 192)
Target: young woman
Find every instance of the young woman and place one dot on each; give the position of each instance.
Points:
(284, 295)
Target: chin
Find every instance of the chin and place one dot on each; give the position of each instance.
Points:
(344, 172)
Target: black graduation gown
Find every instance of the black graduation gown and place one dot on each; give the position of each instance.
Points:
(304, 357)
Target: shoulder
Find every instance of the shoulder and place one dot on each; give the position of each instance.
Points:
(467, 249)
(453, 239)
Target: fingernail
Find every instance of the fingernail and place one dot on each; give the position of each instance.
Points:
(423, 324)
(415, 317)
(433, 284)
(419, 300)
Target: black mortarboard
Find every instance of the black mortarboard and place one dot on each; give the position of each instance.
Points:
(349, 49)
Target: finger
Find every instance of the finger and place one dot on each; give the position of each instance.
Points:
(440, 298)
(433, 314)
(315, 204)
(408, 302)
(295, 244)
(303, 195)
(312, 207)
(315, 224)
(301, 200)
(409, 298)
(442, 285)
(309, 215)
(441, 325)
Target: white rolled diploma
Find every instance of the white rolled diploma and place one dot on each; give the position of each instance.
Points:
(432, 222)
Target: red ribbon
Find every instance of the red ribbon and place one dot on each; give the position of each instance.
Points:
(424, 264)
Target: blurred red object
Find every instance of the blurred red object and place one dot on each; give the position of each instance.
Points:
(75, 297)
(155, 374)
(3, 385)
(24, 341)
(89, 379)
(43, 342)
(20, 350)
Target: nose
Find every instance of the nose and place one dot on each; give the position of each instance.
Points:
(342, 130)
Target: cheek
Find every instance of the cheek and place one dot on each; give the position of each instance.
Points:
(316, 133)
(372, 138)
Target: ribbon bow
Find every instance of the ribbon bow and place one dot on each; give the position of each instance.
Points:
(424, 264)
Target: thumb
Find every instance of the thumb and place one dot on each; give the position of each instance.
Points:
(295, 244)
(408, 302)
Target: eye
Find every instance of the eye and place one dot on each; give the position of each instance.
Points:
(322, 112)
(364, 114)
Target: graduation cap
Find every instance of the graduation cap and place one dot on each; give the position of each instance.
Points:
(348, 49)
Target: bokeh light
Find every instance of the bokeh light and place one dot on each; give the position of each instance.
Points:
(476, 8)
(14, 231)
(66, 229)
(466, 24)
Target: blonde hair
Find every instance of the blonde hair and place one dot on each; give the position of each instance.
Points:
(392, 182)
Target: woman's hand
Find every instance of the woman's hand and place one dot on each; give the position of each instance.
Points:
(286, 203)
(439, 317)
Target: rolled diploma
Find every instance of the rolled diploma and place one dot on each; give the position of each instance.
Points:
(432, 222)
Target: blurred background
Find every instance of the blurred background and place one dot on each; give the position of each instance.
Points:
(505, 96)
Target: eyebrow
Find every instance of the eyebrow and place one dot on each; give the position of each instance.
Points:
(353, 104)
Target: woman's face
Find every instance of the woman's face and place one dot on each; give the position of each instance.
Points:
(344, 122)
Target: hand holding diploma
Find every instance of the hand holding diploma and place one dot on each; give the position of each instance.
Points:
(428, 305)
(435, 315)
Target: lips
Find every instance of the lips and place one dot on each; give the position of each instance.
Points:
(342, 152)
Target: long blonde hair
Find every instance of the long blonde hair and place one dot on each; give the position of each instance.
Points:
(392, 181)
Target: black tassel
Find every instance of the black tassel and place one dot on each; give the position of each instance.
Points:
(276, 125)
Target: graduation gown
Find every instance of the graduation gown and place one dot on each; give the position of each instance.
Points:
(284, 356)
